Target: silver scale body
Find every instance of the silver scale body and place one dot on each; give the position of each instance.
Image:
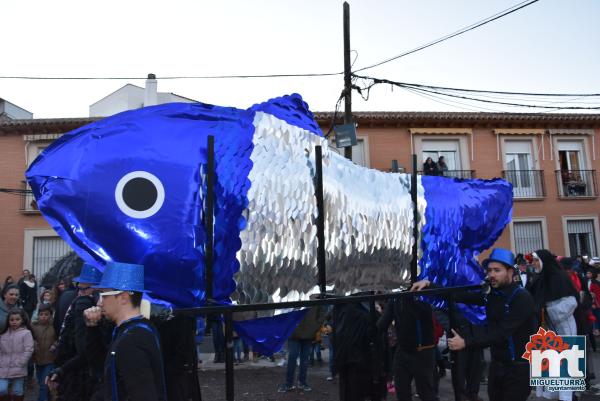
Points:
(368, 220)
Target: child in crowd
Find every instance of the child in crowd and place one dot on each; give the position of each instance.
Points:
(45, 298)
(45, 343)
(16, 347)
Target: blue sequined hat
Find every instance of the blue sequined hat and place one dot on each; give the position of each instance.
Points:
(123, 276)
(89, 274)
(500, 255)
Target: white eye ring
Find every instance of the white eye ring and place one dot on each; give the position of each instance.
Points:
(140, 214)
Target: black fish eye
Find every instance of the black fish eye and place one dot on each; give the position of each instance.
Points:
(139, 194)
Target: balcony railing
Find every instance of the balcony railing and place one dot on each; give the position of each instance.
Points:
(28, 203)
(576, 183)
(455, 173)
(527, 184)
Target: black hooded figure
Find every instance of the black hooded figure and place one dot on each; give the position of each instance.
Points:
(178, 345)
(553, 290)
(414, 359)
(359, 355)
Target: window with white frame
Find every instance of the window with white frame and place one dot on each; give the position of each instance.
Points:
(528, 236)
(46, 252)
(570, 155)
(453, 150)
(34, 148)
(573, 177)
(582, 237)
(518, 155)
(359, 152)
(436, 148)
(43, 248)
(519, 164)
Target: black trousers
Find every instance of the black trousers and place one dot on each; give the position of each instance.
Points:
(469, 371)
(356, 383)
(508, 381)
(417, 365)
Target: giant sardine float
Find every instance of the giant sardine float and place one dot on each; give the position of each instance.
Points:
(131, 188)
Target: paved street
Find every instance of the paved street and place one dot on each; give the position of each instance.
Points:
(258, 380)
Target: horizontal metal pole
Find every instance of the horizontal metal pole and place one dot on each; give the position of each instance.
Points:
(326, 300)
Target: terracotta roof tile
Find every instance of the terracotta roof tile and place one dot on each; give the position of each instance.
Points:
(43, 125)
(411, 117)
(406, 118)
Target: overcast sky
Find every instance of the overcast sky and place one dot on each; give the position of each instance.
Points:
(550, 46)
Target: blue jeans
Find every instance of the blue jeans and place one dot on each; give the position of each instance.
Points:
(302, 349)
(237, 348)
(15, 383)
(41, 371)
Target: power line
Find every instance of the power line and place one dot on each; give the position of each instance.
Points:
(177, 77)
(435, 98)
(451, 103)
(487, 20)
(430, 90)
(481, 90)
(509, 103)
(541, 100)
(335, 112)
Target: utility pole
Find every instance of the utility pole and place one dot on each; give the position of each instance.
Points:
(347, 76)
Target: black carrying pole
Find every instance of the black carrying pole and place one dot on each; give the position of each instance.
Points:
(320, 218)
(347, 76)
(209, 216)
(453, 354)
(209, 256)
(414, 199)
(328, 300)
(229, 383)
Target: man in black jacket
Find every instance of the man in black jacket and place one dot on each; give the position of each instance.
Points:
(133, 369)
(511, 321)
(359, 352)
(415, 347)
(73, 368)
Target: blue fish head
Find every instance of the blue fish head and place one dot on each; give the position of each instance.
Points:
(128, 188)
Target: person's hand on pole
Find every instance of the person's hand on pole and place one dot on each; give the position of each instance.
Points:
(456, 343)
(419, 285)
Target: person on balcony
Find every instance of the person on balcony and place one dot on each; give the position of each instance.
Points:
(442, 166)
(429, 167)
